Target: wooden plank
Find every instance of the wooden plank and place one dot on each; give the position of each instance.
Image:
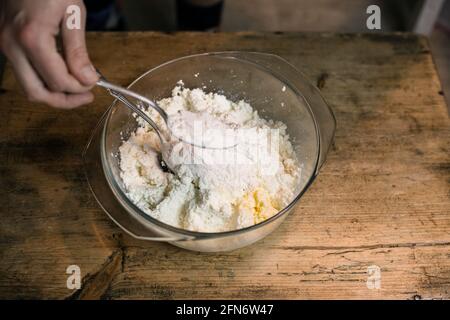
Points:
(381, 199)
(270, 270)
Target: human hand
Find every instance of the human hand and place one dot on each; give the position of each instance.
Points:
(28, 31)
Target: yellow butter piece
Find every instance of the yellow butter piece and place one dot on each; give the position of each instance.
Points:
(259, 204)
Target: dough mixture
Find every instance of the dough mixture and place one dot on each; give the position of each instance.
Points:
(214, 189)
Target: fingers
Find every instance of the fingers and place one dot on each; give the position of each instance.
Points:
(76, 53)
(69, 101)
(40, 48)
(33, 86)
(28, 39)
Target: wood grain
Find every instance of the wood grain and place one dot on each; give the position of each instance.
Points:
(383, 197)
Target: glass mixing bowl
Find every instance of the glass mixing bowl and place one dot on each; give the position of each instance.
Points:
(269, 83)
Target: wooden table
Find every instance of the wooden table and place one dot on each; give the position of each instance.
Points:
(382, 199)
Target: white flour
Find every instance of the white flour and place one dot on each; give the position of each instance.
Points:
(202, 129)
(214, 189)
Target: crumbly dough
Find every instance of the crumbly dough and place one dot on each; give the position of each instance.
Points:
(208, 193)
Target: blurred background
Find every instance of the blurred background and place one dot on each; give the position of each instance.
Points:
(427, 17)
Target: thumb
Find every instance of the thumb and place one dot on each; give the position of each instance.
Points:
(74, 44)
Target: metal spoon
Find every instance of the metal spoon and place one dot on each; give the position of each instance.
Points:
(115, 91)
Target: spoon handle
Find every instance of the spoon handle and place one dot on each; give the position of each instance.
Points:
(102, 82)
(141, 113)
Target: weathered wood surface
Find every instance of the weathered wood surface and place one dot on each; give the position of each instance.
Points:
(383, 197)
